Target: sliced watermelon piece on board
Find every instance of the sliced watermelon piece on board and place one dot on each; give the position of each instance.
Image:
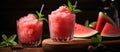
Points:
(102, 19)
(83, 31)
(93, 24)
(110, 30)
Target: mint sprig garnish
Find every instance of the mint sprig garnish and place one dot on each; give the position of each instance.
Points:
(8, 41)
(98, 42)
(40, 15)
(97, 39)
(72, 8)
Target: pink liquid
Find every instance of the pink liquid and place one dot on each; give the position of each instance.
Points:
(29, 30)
(61, 24)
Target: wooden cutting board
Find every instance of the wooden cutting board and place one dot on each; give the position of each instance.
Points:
(77, 45)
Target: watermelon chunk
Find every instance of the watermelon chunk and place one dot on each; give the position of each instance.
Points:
(93, 24)
(110, 30)
(83, 31)
(102, 19)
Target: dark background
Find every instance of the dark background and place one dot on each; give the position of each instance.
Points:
(12, 10)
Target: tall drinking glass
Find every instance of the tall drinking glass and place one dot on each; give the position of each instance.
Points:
(61, 24)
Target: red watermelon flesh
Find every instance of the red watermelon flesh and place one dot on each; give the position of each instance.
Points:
(83, 31)
(110, 30)
(102, 19)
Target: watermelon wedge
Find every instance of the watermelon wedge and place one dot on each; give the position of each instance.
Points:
(102, 19)
(110, 30)
(93, 24)
(83, 31)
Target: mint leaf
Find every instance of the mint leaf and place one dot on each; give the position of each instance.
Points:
(11, 38)
(40, 15)
(43, 19)
(76, 11)
(4, 37)
(8, 41)
(13, 43)
(87, 23)
(72, 8)
(3, 44)
(97, 39)
(98, 42)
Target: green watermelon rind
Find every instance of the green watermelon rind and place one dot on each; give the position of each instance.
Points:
(108, 35)
(86, 35)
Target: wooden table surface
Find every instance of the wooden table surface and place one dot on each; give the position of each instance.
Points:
(39, 49)
(77, 45)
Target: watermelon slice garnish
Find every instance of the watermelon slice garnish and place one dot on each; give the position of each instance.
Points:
(102, 19)
(83, 31)
(110, 30)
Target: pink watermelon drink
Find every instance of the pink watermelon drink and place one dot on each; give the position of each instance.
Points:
(29, 30)
(61, 24)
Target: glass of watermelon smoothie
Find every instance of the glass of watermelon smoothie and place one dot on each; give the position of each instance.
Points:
(29, 30)
(61, 24)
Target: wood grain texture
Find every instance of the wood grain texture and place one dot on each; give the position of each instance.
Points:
(77, 45)
(21, 50)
